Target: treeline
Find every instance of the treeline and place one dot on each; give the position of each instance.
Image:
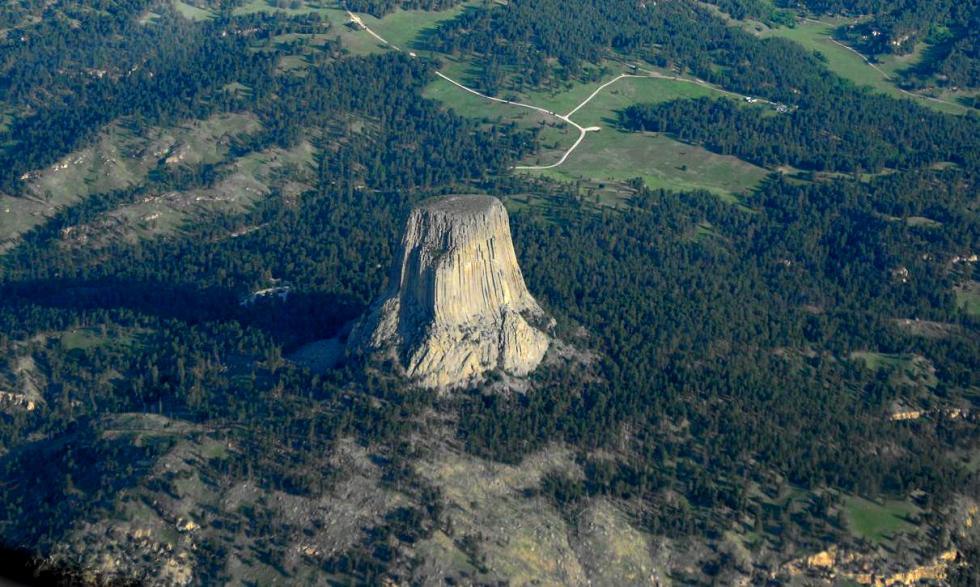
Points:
(530, 44)
(760, 10)
(380, 8)
(837, 135)
(953, 57)
(897, 28)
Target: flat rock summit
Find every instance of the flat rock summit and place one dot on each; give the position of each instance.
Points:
(456, 306)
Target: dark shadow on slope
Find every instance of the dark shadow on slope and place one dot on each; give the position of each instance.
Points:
(55, 480)
(20, 568)
(297, 319)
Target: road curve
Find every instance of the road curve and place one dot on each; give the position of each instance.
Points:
(566, 118)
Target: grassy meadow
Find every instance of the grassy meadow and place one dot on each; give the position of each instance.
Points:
(878, 522)
(818, 36)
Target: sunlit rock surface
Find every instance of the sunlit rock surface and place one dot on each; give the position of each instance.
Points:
(457, 306)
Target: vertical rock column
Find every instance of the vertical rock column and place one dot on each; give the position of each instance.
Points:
(456, 307)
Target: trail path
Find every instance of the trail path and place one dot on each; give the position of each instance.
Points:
(582, 130)
(360, 23)
(501, 101)
(565, 118)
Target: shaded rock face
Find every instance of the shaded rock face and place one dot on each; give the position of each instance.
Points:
(456, 307)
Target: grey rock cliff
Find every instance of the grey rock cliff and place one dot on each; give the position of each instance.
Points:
(456, 306)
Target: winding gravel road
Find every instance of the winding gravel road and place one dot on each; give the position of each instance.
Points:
(565, 118)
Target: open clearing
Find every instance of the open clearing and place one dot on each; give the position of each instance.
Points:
(847, 63)
(603, 109)
(192, 12)
(878, 523)
(401, 27)
(661, 162)
(912, 370)
(611, 155)
(90, 338)
(404, 28)
(968, 297)
(617, 157)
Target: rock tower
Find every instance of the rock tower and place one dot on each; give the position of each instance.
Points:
(456, 306)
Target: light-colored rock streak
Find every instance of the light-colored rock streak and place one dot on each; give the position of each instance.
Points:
(458, 306)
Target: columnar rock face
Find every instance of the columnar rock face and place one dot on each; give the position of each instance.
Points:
(457, 306)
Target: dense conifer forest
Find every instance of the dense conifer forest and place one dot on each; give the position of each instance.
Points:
(383, 7)
(827, 138)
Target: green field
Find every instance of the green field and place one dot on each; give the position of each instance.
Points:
(82, 339)
(148, 17)
(192, 12)
(357, 42)
(904, 369)
(404, 27)
(256, 6)
(602, 110)
(875, 522)
(90, 338)
(401, 28)
(817, 36)
(555, 136)
(473, 106)
(613, 155)
(610, 155)
(875, 361)
(968, 298)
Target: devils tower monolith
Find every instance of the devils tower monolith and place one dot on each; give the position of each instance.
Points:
(456, 306)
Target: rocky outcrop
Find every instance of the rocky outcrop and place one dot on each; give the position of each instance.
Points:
(456, 307)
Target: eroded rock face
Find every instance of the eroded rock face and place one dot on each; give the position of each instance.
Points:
(457, 306)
